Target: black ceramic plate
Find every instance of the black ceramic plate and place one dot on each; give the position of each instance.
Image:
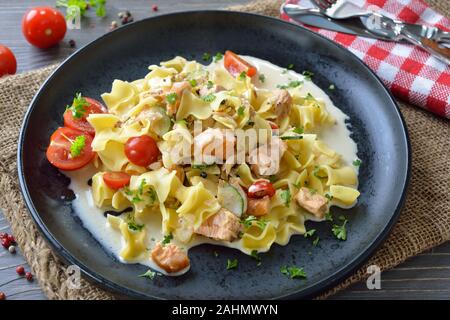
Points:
(125, 54)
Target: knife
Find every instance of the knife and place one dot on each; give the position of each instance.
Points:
(314, 18)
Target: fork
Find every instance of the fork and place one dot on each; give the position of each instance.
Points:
(431, 39)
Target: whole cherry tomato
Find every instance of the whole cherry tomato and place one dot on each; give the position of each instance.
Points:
(260, 189)
(142, 150)
(116, 180)
(8, 63)
(43, 27)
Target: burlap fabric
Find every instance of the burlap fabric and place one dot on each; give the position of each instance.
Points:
(424, 222)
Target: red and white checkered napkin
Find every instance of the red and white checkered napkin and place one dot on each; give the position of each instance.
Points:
(411, 73)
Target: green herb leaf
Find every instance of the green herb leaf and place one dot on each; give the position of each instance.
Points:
(210, 84)
(193, 82)
(293, 272)
(309, 233)
(78, 107)
(298, 130)
(340, 232)
(254, 255)
(316, 241)
(77, 146)
(216, 254)
(357, 163)
(308, 74)
(209, 98)
(328, 217)
(341, 218)
(290, 66)
(218, 57)
(248, 222)
(167, 239)
(232, 264)
(242, 75)
(171, 98)
(262, 78)
(285, 195)
(99, 6)
(291, 84)
(149, 274)
(240, 111)
(206, 56)
(132, 225)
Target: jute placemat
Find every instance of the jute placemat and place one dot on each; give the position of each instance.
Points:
(424, 222)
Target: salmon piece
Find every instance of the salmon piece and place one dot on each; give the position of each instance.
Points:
(283, 102)
(223, 225)
(265, 160)
(170, 257)
(314, 203)
(215, 143)
(177, 88)
(258, 207)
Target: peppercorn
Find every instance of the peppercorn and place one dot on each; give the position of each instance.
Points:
(155, 7)
(29, 276)
(12, 249)
(20, 270)
(72, 43)
(2, 296)
(203, 174)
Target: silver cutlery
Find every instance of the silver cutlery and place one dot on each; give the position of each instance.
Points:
(431, 39)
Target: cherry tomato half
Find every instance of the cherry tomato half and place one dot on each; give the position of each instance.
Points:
(58, 152)
(142, 150)
(81, 124)
(236, 65)
(116, 180)
(260, 189)
(43, 27)
(8, 63)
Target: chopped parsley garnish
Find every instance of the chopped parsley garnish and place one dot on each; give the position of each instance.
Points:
(206, 56)
(193, 82)
(298, 130)
(171, 98)
(340, 232)
(232, 264)
(77, 146)
(218, 57)
(262, 78)
(316, 241)
(216, 254)
(242, 75)
(341, 218)
(254, 255)
(291, 84)
(272, 178)
(308, 74)
(309, 233)
(167, 239)
(210, 84)
(290, 66)
(286, 197)
(78, 107)
(293, 272)
(328, 217)
(309, 96)
(133, 225)
(141, 186)
(149, 274)
(332, 87)
(357, 163)
(209, 98)
(240, 111)
(248, 222)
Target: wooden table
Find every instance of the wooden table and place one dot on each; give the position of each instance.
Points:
(426, 276)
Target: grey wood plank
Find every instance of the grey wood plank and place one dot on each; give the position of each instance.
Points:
(426, 276)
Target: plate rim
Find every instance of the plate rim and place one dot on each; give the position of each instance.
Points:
(305, 293)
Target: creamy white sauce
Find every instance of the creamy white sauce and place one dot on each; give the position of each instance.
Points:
(337, 137)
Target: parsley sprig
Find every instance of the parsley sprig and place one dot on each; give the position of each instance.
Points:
(77, 146)
(167, 239)
(248, 222)
(232, 264)
(99, 5)
(78, 107)
(285, 195)
(293, 272)
(149, 274)
(340, 231)
(291, 84)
